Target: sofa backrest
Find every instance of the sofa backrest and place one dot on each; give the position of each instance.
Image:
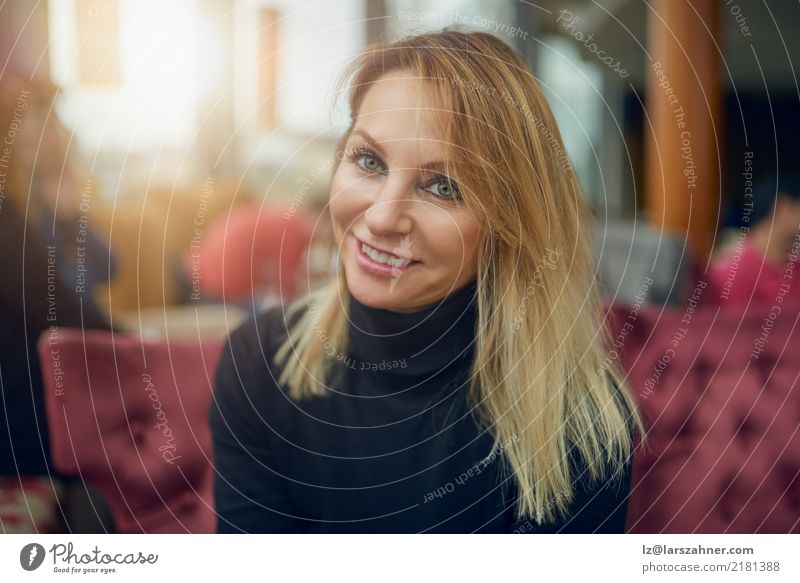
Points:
(130, 416)
(719, 390)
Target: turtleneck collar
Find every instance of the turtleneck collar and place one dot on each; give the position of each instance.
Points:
(419, 342)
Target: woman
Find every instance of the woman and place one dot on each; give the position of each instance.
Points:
(40, 176)
(450, 378)
(49, 261)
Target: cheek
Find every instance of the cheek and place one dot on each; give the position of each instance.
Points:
(451, 238)
(344, 201)
(472, 232)
(470, 229)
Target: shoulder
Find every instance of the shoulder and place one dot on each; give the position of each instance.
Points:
(261, 335)
(248, 352)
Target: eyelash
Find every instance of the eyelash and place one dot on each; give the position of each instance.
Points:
(362, 152)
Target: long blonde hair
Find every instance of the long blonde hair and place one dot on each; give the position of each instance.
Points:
(540, 378)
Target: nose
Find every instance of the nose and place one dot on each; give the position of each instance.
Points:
(388, 212)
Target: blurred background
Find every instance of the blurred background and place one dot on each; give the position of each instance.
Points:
(173, 114)
(165, 166)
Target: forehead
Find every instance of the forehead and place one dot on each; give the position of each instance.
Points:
(399, 108)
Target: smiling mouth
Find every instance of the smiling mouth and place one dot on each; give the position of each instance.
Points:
(383, 257)
(381, 262)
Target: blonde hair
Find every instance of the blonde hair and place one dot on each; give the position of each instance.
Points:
(540, 378)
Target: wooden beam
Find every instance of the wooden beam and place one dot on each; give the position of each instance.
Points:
(683, 137)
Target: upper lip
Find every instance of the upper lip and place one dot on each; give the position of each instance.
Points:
(383, 250)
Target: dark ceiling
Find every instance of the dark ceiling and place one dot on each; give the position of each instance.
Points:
(620, 28)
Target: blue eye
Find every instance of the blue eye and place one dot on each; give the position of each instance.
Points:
(440, 186)
(444, 188)
(368, 161)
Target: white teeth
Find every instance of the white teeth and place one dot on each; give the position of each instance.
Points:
(383, 257)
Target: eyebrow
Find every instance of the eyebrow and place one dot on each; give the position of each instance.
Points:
(428, 166)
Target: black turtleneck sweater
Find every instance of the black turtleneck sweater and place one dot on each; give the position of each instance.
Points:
(393, 447)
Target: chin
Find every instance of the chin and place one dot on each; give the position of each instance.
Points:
(375, 292)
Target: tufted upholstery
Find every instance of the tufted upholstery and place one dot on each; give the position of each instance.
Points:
(129, 416)
(725, 445)
(723, 424)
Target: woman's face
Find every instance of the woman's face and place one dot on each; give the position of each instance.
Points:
(391, 194)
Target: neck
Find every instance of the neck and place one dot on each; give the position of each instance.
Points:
(427, 339)
(432, 305)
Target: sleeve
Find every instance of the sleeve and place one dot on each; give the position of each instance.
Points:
(249, 495)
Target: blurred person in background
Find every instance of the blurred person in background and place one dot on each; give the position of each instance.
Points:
(761, 264)
(42, 245)
(42, 180)
(254, 256)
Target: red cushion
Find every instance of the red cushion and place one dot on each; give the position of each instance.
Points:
(723, 420)
(248, 249)
(130, 415)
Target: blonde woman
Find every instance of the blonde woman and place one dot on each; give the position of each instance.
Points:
(452, 377)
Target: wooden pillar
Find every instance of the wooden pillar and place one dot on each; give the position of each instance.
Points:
(684, 135)
(214, 153)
